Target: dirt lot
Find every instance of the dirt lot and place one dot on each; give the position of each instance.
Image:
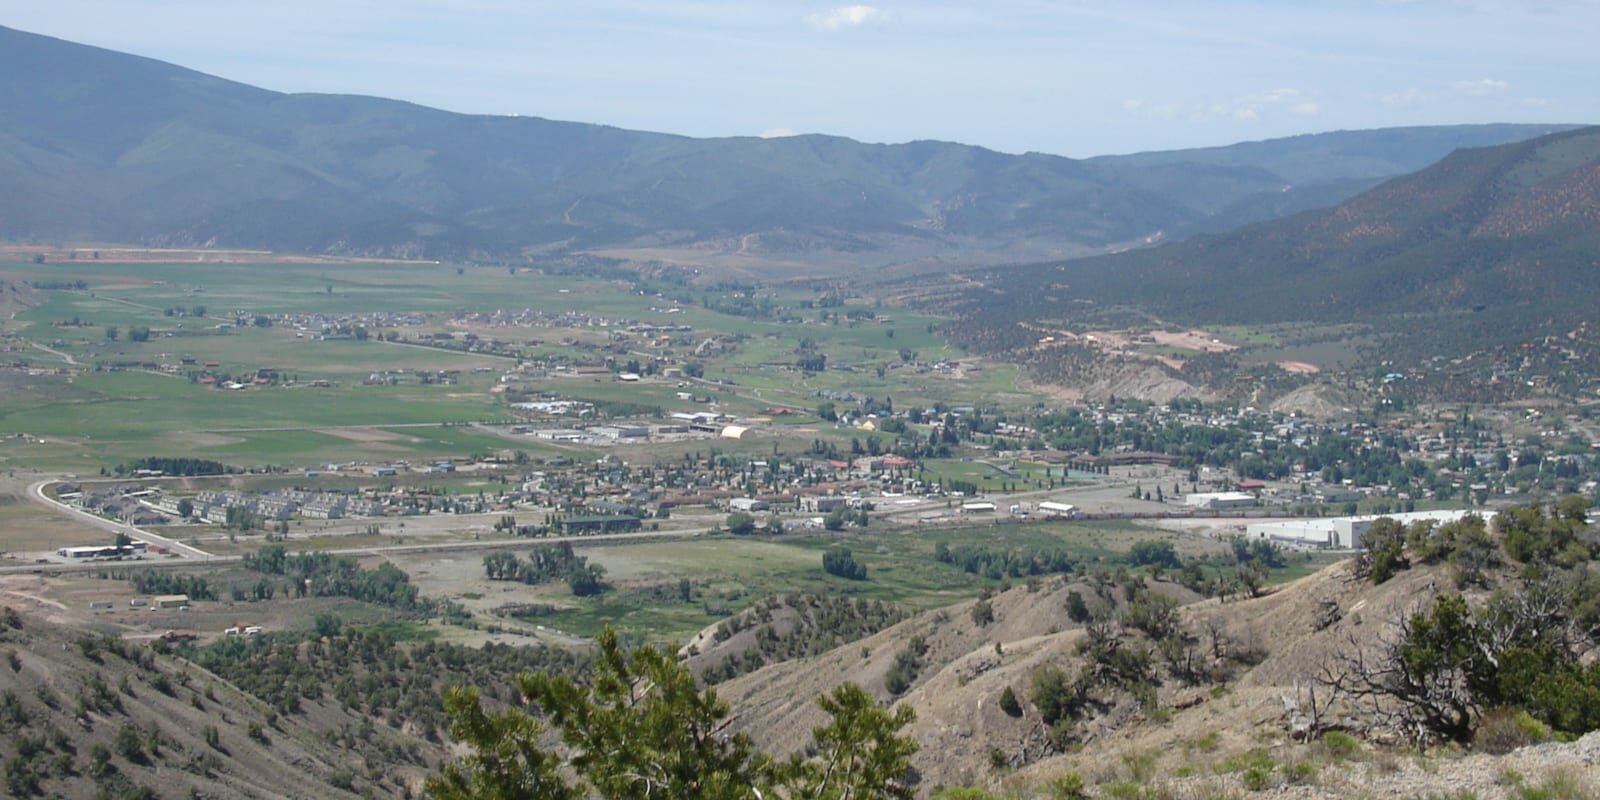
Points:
(27, 527)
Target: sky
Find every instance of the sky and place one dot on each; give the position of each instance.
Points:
(1073, 77)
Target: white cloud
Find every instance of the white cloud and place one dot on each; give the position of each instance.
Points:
(833, 19)
(1155, 110)
(1536, 102)
(1405, 98)
(1481, 87)
(1249, 108)
(778, 133)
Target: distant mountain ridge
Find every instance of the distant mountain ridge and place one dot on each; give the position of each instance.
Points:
(1485, 227)
(1490, 247)
(98, 145)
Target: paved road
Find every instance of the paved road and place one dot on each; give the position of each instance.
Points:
(36, 491)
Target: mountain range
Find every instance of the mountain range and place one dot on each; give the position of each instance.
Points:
(97, 145)
(1511, 228)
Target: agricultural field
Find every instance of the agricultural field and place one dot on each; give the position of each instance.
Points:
(85, 401)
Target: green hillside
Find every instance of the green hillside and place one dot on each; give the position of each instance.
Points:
(1499, 241)
(98, 145)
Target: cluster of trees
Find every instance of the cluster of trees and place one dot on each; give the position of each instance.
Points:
(545, 564)
(326, 575)
(812, 624)
(178, 466)
(135, 334)
(1448, 667)
(371, 673)
(162, 582)
(740, 524)
(994, 564)
(1248, 550)
(239, 518)
(840, 518)
(1154, 553)
(841, 562)
(642, 730)
(907, 666)
(1124, 658)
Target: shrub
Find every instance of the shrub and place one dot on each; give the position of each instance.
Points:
(1009, 703)
(129, 744)
(1257, 778)
(1505, 730)
(1070, 786)
(1077, 610)
(1340, 744)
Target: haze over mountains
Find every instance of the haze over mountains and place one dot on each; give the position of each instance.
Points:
(101, 146)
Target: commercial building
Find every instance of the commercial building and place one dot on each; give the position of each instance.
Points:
(1050, 508)
(1343, 533)
(1219, 500)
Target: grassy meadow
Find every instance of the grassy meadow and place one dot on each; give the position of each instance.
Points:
(102, 405)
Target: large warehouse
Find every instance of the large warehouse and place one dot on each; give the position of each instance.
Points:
(1219, 500)
(1343, 533)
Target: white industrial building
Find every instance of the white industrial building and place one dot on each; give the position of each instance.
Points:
(1343, 533)
(1050, 508)
(1218, 500)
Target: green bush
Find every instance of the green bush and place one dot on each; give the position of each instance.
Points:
(1505, 730)
(1070, 786)
(1257, 779)
(1340, 744)
(1009, 703)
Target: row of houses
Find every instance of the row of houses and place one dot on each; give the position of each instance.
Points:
(212, 505)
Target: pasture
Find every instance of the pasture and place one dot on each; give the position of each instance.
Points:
(111, 400)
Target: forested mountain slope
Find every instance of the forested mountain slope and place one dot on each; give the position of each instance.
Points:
(102, 146)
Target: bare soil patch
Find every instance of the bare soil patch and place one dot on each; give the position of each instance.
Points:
(367, 435)
(1192, 340)
(207, 439)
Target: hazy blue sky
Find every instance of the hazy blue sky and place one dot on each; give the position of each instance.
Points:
(1073, 78)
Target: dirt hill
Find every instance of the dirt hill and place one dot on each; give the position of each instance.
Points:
(85, 715)
(1210, 739)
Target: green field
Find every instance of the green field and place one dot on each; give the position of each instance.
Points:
(728, 574)
(106, 407)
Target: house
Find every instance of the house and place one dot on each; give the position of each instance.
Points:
(822, 504)
(600, 524)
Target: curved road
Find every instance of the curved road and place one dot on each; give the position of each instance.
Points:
(36, 491)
